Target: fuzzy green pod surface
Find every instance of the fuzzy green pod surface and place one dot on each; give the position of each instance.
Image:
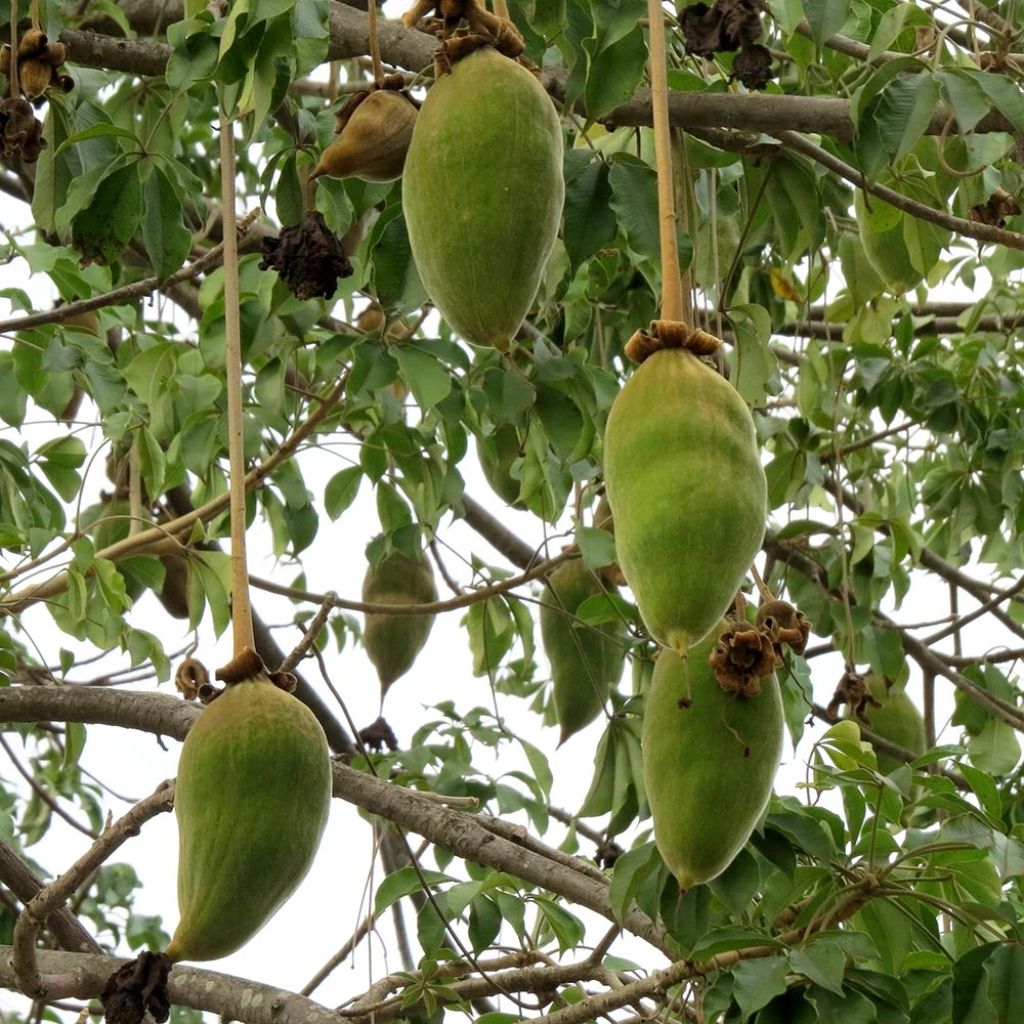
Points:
(897, 720)
(252, 797)
(684, 480)
(710, 759)
(482, 193)
(585, 660)
(392, 642)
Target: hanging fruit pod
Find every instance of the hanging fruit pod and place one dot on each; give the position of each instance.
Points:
(392, 642)
(482, 194)
(374, 130)
(586, 661)
(252, 798)
(710, 759)
(684, 480)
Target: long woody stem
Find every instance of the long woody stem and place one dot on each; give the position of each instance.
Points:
(671, 287)
(241, 611)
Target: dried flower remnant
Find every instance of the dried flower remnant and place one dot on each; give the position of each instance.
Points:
(21, 132)
(743, 656)
(309, 257)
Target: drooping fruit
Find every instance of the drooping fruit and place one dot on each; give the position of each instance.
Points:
(174, 593)
(372, 139)
(393, 641)
(897, 720)
(883, 233)
(585, 660)
(482, 193)
(684, 480)
(252, 796)
(496, 452)
(710, 758)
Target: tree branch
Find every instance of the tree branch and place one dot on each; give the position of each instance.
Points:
(455, 831)
(26, 966)
(228, 997)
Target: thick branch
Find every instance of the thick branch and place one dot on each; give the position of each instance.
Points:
(228, 997)
(456, 831)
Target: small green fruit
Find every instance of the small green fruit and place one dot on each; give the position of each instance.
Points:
(585, 660)
(393, 641)
(482, 194)
(496, 452)
(684, 479)
(897, 720)
(709, 762)
(253, 792)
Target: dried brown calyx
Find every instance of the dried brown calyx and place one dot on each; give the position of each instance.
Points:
(996, 209)
(38, 64)
(784, 624)
(309, 257)
(379, 735)
(852, 690)
(743, 656)
(725, 27)
(373, 132)
(21, 132)
(670, 334)
(137, 988)
(464, 26)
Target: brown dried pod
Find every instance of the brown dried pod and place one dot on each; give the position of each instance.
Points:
(55, 54)
(852, 690)
(35, 76)
(21, 134)
(32, 43)
(374, 137)
(5, 60)
(309, 257)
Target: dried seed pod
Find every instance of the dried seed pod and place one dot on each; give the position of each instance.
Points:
(5, 60)
(35, 76)
(373, 139)
(55, 54)
(32, 43)
(309, 257)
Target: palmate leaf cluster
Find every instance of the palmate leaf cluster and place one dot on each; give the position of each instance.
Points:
(891, 421)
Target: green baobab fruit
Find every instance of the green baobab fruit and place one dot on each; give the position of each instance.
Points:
(174, 594)
(393, 641)
(482, 194)
(897, 720)
(585, 660)
(882, 233)
(496, 452)
(252, 796)
(710, 759)
(684, 479)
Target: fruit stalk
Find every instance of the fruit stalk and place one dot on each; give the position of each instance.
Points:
(241, 610)
(671, 286)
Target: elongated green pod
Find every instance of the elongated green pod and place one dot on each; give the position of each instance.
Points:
(897, 720)
(252, 796)
(585, 660)
(482, 193)
(684, 480)
(392, 642)
(710, 759)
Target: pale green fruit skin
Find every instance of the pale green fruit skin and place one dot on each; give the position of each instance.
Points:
(585, 660)
(252, 797)
(709, 767)
(684, 479)
(496, 453)
(482, 193)
(392, 642)
(897, 720)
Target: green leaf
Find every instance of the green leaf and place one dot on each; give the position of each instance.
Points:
(995, 749)
(341, 490)
(614, 72)
(632, 869)
(635, 202)
(566, 928)
(826, 18)
(822, 961)
(1005, 95)
(74, 744)
(988, 985)
(404, 882)
(102, 230)
(588, 216)
(428, 378)
(755, 983)
(164, 234)
(754, 363)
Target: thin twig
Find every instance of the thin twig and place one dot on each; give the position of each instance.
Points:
(54, 895)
